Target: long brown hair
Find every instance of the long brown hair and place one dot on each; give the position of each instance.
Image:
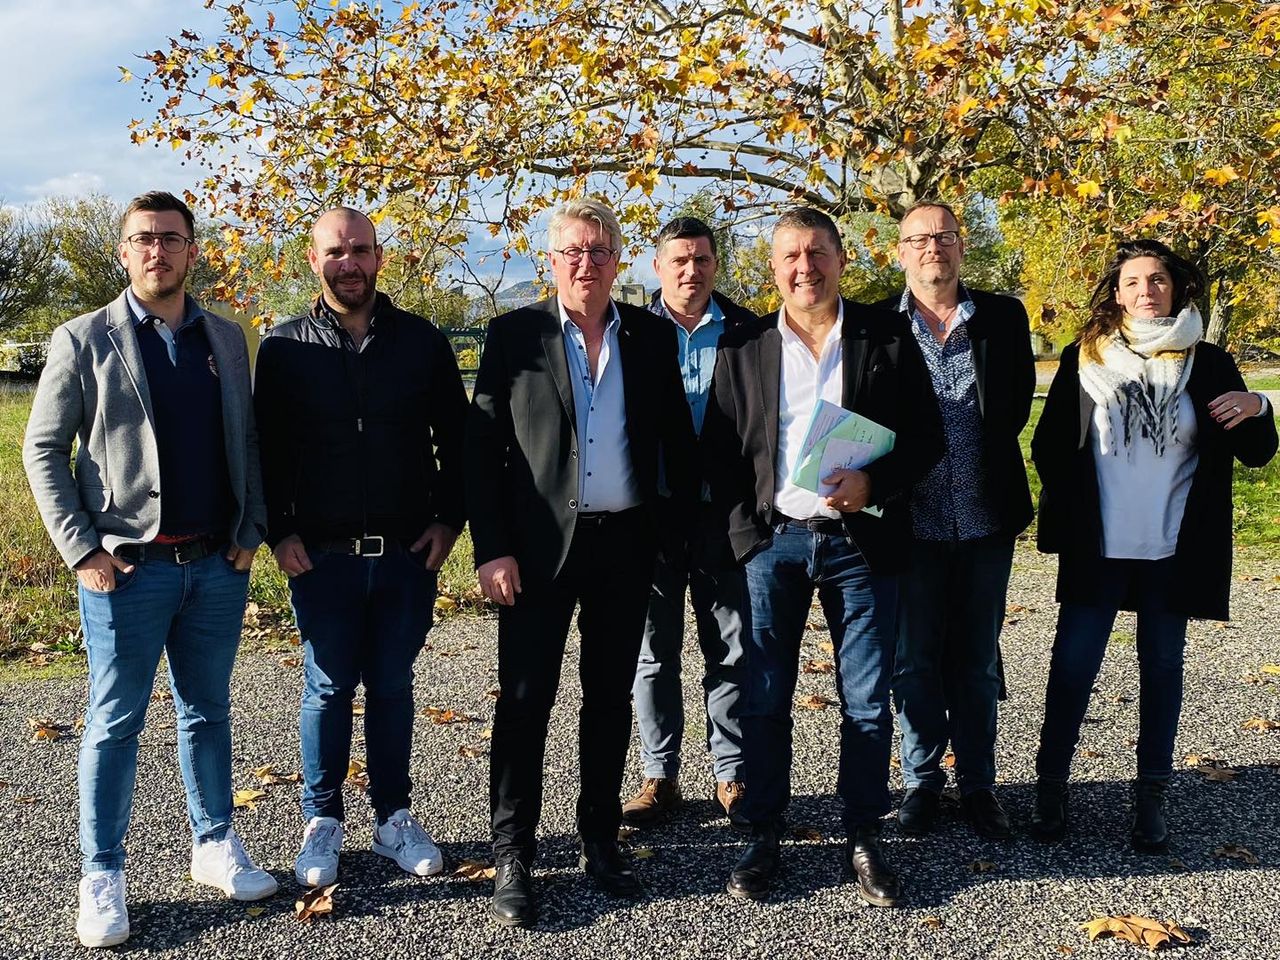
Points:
(1105, 314)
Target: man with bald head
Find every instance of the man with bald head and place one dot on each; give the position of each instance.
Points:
(361, 407)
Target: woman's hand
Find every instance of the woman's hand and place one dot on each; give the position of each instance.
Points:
(1234, 407)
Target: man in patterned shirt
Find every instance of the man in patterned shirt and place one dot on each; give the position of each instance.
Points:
(966, 513)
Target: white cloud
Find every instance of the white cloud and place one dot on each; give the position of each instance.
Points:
(75, 184)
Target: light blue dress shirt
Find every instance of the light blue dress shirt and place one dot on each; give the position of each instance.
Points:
(697, 356)
(606, 480)
(192, 313)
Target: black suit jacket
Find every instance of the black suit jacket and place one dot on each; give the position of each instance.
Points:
(1070, 511)
(884, 379)
(1005, 366)
(521, 462)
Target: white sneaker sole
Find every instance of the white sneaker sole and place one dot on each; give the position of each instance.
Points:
(433, 866)
(321, 880)
(241, 895)
(92, 940)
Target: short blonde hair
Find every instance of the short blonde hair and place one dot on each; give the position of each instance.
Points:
(589, 211)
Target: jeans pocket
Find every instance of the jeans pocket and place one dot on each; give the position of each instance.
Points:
(232, 567)
(123, 580)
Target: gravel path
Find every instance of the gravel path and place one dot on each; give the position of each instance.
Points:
(1028, 904)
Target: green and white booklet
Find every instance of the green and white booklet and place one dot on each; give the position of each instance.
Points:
(838, 438)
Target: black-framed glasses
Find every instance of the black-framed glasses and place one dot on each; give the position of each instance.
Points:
(169, 242)
(945, 238)
(599, 255)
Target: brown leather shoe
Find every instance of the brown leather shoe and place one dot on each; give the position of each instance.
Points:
(657, 798)
(729, 795)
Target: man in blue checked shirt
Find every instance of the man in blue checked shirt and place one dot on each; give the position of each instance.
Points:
(685, 262)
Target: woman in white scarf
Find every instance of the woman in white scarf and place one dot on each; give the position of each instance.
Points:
(1134, 451)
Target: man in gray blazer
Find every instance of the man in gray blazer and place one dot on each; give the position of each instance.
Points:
(159, 516)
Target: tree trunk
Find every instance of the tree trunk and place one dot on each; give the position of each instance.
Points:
(1220, 313)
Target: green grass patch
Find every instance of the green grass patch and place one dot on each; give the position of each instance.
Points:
(1270, 381)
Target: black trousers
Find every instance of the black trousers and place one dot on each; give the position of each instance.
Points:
(607, 575)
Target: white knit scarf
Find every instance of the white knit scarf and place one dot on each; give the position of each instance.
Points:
(1144, 369)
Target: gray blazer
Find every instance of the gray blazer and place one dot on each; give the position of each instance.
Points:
(94, 390)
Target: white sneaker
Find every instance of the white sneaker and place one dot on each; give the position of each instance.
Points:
(317, 863)
(403, 839)
(225, 865)
(103, 920)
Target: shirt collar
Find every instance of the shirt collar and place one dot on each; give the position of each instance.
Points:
(789, 335)
(191, 310)
(324, 313)
(713, 313)
(907, 303)
(610, 327)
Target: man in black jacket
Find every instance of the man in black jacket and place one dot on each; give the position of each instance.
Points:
(769, 378)
(361, 411)
(575, 398)
(965, 515)
(700, 560)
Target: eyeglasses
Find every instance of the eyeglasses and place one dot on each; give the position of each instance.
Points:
(918, 241)
(169, 242)
(599, 255)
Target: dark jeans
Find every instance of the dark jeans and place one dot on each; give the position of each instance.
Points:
(859, 606)
(607, 575)
(718, 594)
(946, 680)
(362, 620)
(1078, 649)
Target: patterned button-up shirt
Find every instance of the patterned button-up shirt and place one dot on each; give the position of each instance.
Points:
(953, 501)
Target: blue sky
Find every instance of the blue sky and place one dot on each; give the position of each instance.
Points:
(66, 113)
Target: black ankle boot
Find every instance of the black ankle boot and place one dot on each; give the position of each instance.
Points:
(1049, 815)
(878, 884)
(1150, 832)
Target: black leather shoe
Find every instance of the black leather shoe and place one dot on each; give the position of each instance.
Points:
(513, 903)
(1150, 831)
(752, 876)
(987, 816)
(877, 882)
(1049, 815)
(604, 863)
(919, 811)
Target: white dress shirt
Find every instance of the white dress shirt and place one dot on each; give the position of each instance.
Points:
(803, 380)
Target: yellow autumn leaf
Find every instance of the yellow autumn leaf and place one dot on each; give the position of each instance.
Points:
(1221, 175)
(1088, 189)
(248, 799)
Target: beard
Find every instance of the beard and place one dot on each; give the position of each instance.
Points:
(160, 285)
(349, 297)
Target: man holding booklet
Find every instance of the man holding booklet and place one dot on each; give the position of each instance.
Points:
(821, 420)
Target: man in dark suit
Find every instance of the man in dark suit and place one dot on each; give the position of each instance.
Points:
(574, 399)
(769, 378)
(965, 515)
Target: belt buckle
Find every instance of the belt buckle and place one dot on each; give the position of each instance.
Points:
(369, 551)
(180, 554)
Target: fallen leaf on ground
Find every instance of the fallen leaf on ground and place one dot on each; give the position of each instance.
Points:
(1090, 754)
(442, 716)
(26, 798)
(819, 666)
(160, 695)
(471, 751)
(1233, 851)
(268, 776)
(486, 733)
(445, 605)
(805, 832)
(826, 646)
(933, 923)
(1143, 931)
(1271, 668)
(1260, 724)
(1123, 699)
(357, 776)
(43, 728)
(642, 853)
(248, 799)
(475, 870)
(1216, 771)
(357, 709)
(291, 661)
(1177, 864)
(1065, 950)
(816, 701)
(256, 911)
(315, 903)
(494, 692)
(982, 866)
(949, 760)
(626, 833)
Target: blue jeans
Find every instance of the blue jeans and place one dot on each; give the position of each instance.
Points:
(859, 606)
(1078, 648)
(946, 680)
(192, 613)
(717, 591)
(362, 620)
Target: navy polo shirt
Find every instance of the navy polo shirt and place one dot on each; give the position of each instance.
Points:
(186, 399)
